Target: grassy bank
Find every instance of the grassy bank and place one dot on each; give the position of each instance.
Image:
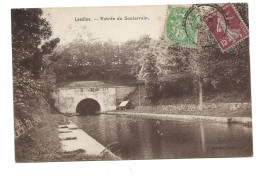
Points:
(42, 143)
(224, 97)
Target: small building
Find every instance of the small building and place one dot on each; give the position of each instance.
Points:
(125, 105)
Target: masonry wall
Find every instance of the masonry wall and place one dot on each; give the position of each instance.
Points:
(191, 107)
(122, 92)
(22, 124)
(21, 127)
(66, 100)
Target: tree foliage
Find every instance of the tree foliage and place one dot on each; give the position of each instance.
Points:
(29, 31)
(166, 70)
(87, 60)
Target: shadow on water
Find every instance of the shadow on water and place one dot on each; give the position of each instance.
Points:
(132, 137)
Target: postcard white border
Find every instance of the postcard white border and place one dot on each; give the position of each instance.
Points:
(219, 166)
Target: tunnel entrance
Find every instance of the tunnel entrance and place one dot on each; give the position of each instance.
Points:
(88, 106)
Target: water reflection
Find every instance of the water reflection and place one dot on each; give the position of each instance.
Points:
(143, 138)
(202, 134)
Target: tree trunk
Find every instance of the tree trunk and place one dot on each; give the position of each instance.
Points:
(200, 94)
(139, 97)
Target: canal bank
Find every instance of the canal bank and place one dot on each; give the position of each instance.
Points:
(243, 120)
(75, 139)
(43, 143)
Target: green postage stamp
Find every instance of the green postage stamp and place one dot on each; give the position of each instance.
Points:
(175, 33)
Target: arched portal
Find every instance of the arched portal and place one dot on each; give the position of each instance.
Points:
(88, 106)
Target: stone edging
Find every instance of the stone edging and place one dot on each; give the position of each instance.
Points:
(244, 120)
(73, 138)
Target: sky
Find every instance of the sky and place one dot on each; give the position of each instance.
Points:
(65, 24)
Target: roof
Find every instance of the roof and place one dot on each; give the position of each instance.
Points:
(123, 103)
(77, 84)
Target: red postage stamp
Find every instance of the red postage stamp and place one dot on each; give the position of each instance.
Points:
(227, 26)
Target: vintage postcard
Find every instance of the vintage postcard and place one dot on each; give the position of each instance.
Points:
(131, 82)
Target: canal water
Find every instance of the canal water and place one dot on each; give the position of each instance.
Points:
(133, 137)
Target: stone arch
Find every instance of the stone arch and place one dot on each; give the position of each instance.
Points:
(88, 106)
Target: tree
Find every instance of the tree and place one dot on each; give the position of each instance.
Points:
(130, 53)
(206, 63)
(106, 61)
(29, 31)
